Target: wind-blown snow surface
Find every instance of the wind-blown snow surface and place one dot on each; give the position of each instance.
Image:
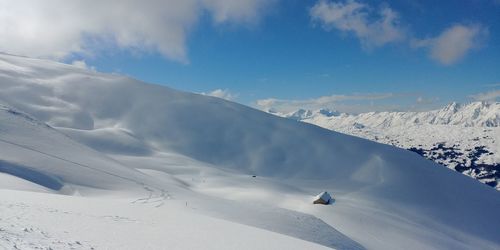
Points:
(139, 152)
(465, 137)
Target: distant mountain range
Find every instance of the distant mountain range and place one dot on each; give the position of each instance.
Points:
(190, 171)
(464, 137)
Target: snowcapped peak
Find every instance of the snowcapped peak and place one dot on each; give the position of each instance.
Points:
(328, 112)
(474, 114)
(458, 107)
(303, 114)
(151, 143)
(453, 107)
(300, 114)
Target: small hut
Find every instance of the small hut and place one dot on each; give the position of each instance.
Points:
(323, 198)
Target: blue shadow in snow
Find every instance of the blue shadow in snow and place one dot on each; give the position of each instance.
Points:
(30, 175)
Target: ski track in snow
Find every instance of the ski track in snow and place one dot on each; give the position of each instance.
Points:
(69, 225)
(141, 166)
(153, 197)
(17, 231)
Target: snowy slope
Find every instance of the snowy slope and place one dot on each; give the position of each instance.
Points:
(35, 221)
(465, 138)
(176, 152)
(35, 157)
(33, 151)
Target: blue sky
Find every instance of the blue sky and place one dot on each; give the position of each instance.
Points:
(353, 56)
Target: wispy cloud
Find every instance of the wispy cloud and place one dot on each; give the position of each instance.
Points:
(453, 43)
(222, 93)
(492, 85)
(58, 28)
(355, 103)
(375, 27)
(421, 100)
(493, 95)
(82, 65)
(372, 28)
(239, 11)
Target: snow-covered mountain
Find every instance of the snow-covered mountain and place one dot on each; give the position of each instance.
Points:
(191, 171)
(464, 137)
(475, 114)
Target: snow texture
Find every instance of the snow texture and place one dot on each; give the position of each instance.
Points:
(465, 138)
(111, 156)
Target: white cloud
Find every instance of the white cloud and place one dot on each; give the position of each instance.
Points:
(246, 11)
(336, 102)
(424, 100)
(375, 28)
(82, 65)
(493, 95)
(353, 104)
(453, 43)
(222, 93)
(358, 18)
(58, 28)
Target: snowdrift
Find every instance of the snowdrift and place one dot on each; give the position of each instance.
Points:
(128, 126)
(36, 152)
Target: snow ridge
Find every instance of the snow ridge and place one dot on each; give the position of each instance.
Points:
(171, 162)
(463, 137)
(474, 114)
